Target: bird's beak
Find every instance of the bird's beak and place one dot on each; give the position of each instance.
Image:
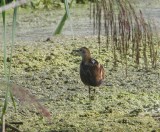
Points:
(75, 52)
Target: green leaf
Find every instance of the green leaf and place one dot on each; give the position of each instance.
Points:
(13, 39)
(13, 101)
(62, 22)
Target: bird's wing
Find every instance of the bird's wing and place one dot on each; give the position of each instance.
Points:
(98, 70)
(92, 72)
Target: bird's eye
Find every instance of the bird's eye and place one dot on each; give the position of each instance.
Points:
(83, 51)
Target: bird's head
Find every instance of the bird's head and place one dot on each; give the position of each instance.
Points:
(85, 53)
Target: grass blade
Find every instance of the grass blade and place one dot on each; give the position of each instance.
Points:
(4, 57)
(13, 101)
(62, 22)
(69, 16)
(5, 67)
(7, 73)
(13, 40)
(4, 39)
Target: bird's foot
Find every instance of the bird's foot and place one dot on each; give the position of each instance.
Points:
(92, 97)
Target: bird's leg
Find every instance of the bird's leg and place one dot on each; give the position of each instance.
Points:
(94, 90)
(91, 97)
(89, 92)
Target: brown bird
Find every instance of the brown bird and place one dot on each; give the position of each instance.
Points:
(91, 71)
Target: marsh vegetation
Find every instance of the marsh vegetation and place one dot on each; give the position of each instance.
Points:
(45, 80)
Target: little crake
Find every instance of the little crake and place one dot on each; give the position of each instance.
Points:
(91, 71)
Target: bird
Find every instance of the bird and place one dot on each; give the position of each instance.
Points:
(91, 71)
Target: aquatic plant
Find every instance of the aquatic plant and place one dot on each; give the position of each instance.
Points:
(126, 30)
(64, 18)
(10, 88)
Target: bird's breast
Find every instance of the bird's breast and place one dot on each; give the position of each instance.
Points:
(91, 74)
